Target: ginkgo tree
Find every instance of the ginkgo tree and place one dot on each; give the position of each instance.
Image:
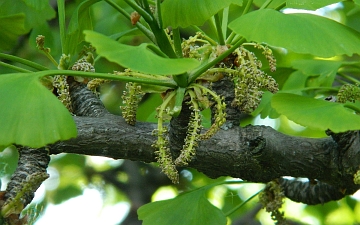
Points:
(211, 62)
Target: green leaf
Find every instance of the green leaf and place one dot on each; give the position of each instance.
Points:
(264, 108)
(309, 4)
(65, 193)
(138, 58)
(11, 27)
(300, 33)
(273, 4)
(296, 81)
(31, 115)
(314, 113)
(36, 13)
(80, 21)
(323, 70)
(190, 208)
(185, 13)
(37, 5)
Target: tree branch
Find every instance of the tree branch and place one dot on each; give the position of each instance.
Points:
(253, 153)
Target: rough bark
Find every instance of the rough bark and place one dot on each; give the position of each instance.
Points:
(253, 153)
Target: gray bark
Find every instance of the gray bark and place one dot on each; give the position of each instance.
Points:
(253, 153)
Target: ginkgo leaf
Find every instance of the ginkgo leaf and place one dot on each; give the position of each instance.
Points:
(309, 4)
(185, 13)
(315, 113)
(11, 27)
(190, 208)
(138, 58)
(323, 71)
(300, 33)
(37, 5)
(80, 21)
(30, 115)
(36, 14)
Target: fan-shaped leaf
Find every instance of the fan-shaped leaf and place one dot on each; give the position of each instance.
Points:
(36, 14)
(184, 13)
(138, 58)
(309, 4)
(301, 33)
(314, 113)
(11, 27)
(31, 115)
(191, 208)
(80, 21)
(323, 70)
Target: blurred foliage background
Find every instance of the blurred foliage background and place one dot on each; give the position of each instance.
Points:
(134, 183)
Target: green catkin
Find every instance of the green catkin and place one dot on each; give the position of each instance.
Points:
(131, 98)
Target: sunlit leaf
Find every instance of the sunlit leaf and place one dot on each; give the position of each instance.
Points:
(309, 4)
(138, 58)
(272, 5)
(184, 13)
(315, 113)
(300, 33)
(190, 208)
(31, 115)
(11, 27)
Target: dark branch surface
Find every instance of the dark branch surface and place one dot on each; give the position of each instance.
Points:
(253, 153)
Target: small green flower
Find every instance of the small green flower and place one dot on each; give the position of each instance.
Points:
(193, 133)
(62, 89)
(348, 93)
(161, 145)
(131, 98)
(250, 80)
(93, 84)
(272, 200)
(357, 177)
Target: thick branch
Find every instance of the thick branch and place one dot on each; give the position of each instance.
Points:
(254, 153)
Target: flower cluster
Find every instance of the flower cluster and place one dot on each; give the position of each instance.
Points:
(163, 154)
(267, 52)
(272, 199)
(93, 84)
(348, 93)
(357, 177)
(219, 115)
(40, 43)
(62, 89)
(131, 98)
(83, 65)
(193, 133)
(250, 80)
